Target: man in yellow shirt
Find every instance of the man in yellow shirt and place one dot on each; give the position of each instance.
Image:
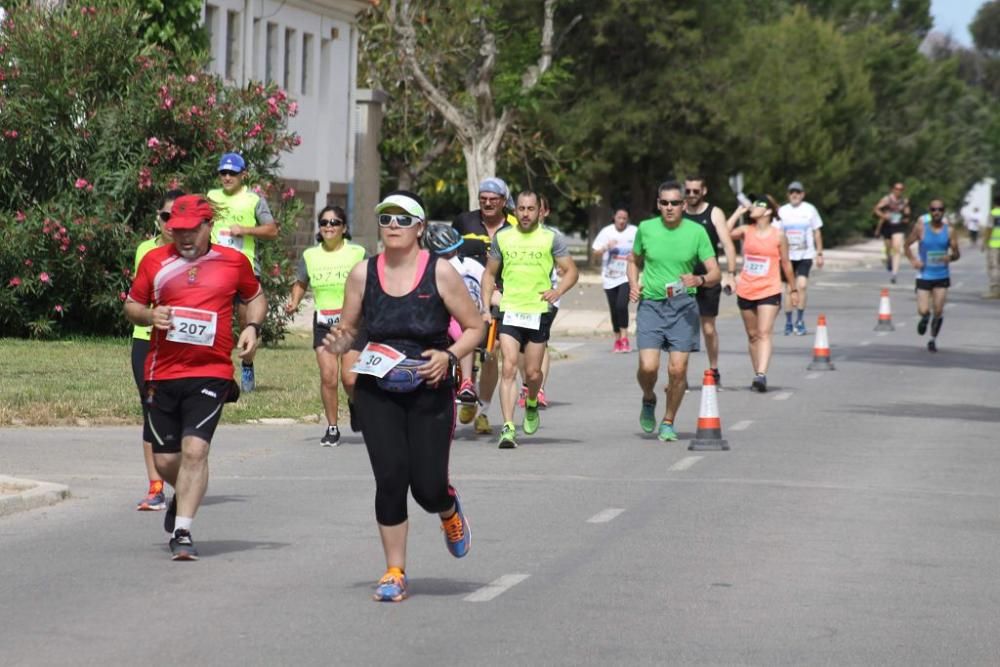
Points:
(241, 218)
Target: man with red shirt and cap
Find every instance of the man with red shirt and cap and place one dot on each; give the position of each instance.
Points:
(185, 291)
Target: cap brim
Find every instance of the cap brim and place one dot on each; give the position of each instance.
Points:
(403, 202)
(182, 223)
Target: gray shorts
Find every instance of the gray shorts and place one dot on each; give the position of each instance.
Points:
(668, 324)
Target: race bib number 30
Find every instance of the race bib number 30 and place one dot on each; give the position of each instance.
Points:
(377, 359)
(523, 320)
(330, 318)
(756, 265)
(192, 326)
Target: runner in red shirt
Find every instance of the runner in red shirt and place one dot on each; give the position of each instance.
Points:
(185, 292)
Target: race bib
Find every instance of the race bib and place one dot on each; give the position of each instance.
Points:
(192, 326)
(895, 218)
(675, 289)
(227, 239)
(755, 265)
(937, 257)
(523, 320)
(330, 318)
(796, 239)
(617, 267)
(377, 359)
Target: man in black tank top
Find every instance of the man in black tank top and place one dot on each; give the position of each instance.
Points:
(713, 220)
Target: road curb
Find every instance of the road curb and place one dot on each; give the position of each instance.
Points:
(30, 494)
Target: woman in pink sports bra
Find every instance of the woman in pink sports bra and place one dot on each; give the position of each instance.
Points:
(758, 287)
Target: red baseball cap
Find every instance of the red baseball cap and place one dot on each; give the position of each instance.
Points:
(188, 212)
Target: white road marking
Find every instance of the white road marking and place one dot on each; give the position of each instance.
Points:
(783, 396)
(685, 463)
(865, 343)
(564, 347)
(741, 425)
(813, 376)
(496, 587)
(882, 333)
(901, 323)
(960, 284)
(605, 515)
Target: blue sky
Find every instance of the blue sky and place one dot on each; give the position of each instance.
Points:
(954, 16)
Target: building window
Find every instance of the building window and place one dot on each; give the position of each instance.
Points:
(211, 15)
(258, 39)
(291, 60)
(271, 53)
(307, 64)
(233, 33)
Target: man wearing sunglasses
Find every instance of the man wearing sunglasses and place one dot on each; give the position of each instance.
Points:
(937, 250)
(802, 226)
(666, 249)
(478, 228)
(241, 218)
(713, 220)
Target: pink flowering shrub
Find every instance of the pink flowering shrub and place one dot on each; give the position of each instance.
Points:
(95, 125)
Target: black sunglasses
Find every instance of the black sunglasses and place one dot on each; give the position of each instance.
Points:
(692, 192)
(936, 209)
(670, 202)
(331, 223)
(402, 221)
(795, 192)
(164, 215)
(229, 172)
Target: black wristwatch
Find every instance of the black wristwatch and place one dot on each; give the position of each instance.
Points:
(452, 357)
(256, 327)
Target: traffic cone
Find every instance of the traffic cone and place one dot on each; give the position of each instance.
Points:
(884, 313)
(709, 434)
(821, 348)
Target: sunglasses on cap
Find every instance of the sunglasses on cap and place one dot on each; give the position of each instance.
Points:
(164, 216)
(670, 202)
(402, 221)
(333, 222)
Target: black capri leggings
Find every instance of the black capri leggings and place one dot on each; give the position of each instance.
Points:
(140, 348)
(618, 303)
(408, 437)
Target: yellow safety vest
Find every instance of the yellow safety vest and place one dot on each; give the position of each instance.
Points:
(238, 209)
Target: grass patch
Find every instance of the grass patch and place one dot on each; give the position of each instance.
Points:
(89, 381)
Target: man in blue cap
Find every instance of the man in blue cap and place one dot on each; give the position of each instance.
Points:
(478, 228)
(241, 218)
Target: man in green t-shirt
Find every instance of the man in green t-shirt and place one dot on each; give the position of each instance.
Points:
(523, 256)
(666, 250)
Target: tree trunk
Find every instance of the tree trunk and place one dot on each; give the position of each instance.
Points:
(480, 162)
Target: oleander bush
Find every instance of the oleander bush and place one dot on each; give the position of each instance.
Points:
(95, 124)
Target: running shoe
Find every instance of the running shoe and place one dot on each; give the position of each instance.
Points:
(530, 424)
(922, 324)
(522, 396)
(170, 516)
(931, 346)
(626, 346)
(391, 587)
(457, 535)
(800, 328)
(759, 383)
(247, 380)
(667, 432)
(331, 438)
(466, 412)
(647, 416)
(507, 440)
(182, 547)
(355, 420)
(718, 377)
(467, 393)
(542, 403)
(482, 424)
(153, 502)
(893, 280)
(789, 328)
(617, 347)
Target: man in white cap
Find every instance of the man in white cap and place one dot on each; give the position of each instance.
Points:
(801, 223)
(241, 218)
(478, 229)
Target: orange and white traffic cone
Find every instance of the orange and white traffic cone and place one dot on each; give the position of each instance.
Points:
(884, 313)
(821, 348)
(709, 434)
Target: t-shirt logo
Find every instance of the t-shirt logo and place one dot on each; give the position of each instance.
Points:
(192, 275)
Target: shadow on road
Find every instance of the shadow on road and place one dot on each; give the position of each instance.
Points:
(918, 356)
(959, 411)
(219, 500)
(219, 547)
(434, 586)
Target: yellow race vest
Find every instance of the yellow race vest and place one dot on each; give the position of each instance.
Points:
(238, 209)
(995, 233)
(143, 333)
(328, 271)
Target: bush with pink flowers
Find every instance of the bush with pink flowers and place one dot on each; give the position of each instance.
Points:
(94, 126)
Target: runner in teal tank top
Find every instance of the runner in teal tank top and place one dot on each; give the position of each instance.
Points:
(937, 250)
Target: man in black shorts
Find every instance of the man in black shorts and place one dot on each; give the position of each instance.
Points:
(185, 291)
(713, 220)
(893, 213)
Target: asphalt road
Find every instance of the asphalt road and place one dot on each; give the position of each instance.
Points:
(854, 522)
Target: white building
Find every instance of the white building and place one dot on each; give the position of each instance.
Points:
(309, 48)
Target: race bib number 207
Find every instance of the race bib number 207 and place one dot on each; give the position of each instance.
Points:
(192, 326)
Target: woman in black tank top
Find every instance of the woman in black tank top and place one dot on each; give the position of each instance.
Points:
(406, 298)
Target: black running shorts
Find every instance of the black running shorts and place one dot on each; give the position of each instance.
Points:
(183, 407)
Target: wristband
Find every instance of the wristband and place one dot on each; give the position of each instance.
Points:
(256, 327)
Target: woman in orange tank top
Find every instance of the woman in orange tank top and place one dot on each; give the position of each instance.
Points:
(758, 288)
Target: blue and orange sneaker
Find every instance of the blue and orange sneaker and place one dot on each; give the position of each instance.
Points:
(391, 587)
(457, 535)
(153, 502)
